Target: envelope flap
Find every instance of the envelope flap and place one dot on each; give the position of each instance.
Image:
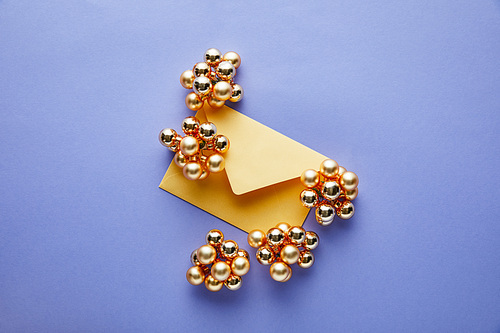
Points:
(258, 155)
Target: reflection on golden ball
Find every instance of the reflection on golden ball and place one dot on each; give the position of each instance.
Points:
(325, 214)
(330, 190)
(233, 282)
(237, 93)
(226, 70)
(275, 236)
(213, 284)
(180, 159)
(221, 144)
(192, 170)
(264, 255)
(311, 240)
(190, 125)
(349, 180)
(212, 57)
(215, 163)
(306, 259)
(329, 168)
(202, 86)
(193, 102)
(195, 275)
(201, 69)
(215, 103)
(283, 226)
(240, 266)
(233, 58)
(222, 90)
(220, 270)
(243, 253)
(189, 146)
(296, 235)
(280, 271)
(256, 238)
(309, 198)
(310, 178)
(214, 237)
(167, 137)
(207, 131)
(229, 249)
(206, 254)
(194, 258)
(351, 194)
(289, 254)
(347, 210)
(187, 78)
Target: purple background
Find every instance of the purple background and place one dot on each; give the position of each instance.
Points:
(404, 93)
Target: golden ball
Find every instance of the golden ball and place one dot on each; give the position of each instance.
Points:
(309, 198)
(212, 57)
(202, 86)
(351, 194)
(256, 238)
(190, 125)
(214, 237)
(309, 178)
(220, 270)
(187, 78)
(213, 284)
(225, 70)
(330, 190)
(215, 163)
(194, 258)
(222, 91)
(311, 240)
(167, 137)
(280, 271)
(306, 259)
(329, 168)
(233, 58)
(346, 211)
(233, 282)
(207, 131)
(229, 249)
(283, 226)
(206, 254)
(296, 235)
(289, 254)
(265, 255)
(180, 159)
(341, 170)
(275, 236)
(192, 170)
(193, 101)
(201, 69)
(189, 145)
(195, 275)
(237, 93)
(240, 266)
(243, 253)
(325, 214)
(349, 180)
(221, 144)
(215, 103)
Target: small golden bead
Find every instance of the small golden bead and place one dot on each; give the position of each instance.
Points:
(189, 146)
(240, 266)
(310, 178)
(233, 282)
(346, 211)
(214, 237)
(329, 168)
(306, 259)
(192, 170)
(220, 270)
(283, 226)
(349, 180)
(233, 57)
(215, 163)
(222, 91)
(213, 284)
(280, 271)
(195, 275)
(256, 238)
(309, 198)
(289, 254)
(206, 254)
(212, 57)
(180, 159)
(167, 137)
(193, 101)
(187, 78)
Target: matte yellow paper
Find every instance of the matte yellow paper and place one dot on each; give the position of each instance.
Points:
(259, 187)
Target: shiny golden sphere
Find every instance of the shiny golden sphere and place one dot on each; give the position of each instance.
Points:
(187, 78)
(280, 271)
(309, 198)
(275, 236)
(167, 137)
(215, 163)
(214, 102)
(233, 58)
(311, 240)
(329, 168)
(306, 259)
(283, 226)
(180, 159)
(201, 69)
(233, 282)
(330, 190)
(310, 178)
(207, 131)
(225, 70)
(190, 125)
(212, 57)
(189, 146)
(342, 170)
(202, 86)
(347, 210)
(213, 284)
(192, 170)
(325, 214)
(229, 249)
(194, 258)
(222, 90)
(265, 255)
(351, 194)
(214, 237)
(240, 266)
(296, 235)
(289, 254)
(256, 238)
(243, 253)
(237, 93)
(206, 254)
(193, 101)
(349, 180)
(220, 270)
(221, 144)
(195, 275)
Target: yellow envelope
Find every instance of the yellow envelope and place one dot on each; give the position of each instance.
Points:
(260, 185)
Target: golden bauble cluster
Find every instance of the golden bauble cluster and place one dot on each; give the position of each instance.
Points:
(200, 151)
(283, 246)
(213, 80)
(219, 262)
(330, 190)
